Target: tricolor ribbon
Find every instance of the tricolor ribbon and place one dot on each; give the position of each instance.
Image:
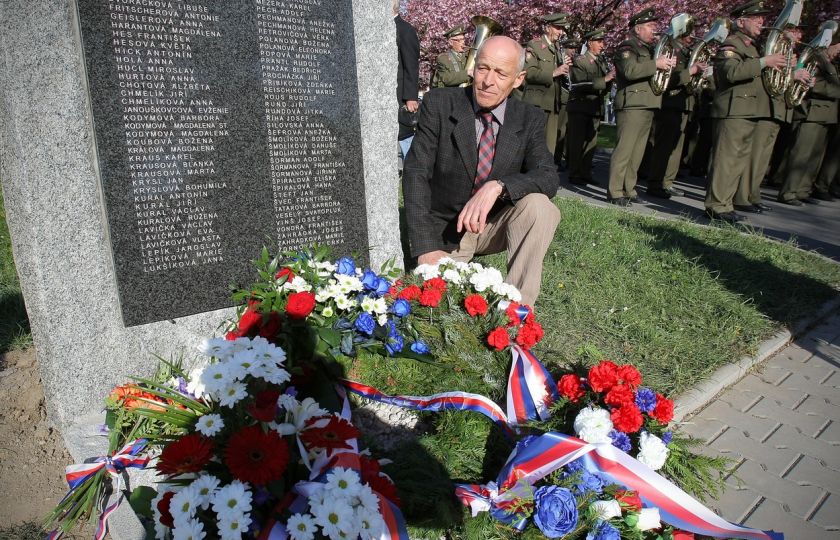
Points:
(126, 457)
(530, 390)
(529, 463)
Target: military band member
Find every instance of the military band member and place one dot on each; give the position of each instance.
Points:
(451, 66)
(827, 186)
(591, 78)
(542, 75)
(635, 104)
(572, 47)
(816, 115)
(677, 105)
(784, 140)
(740, 101)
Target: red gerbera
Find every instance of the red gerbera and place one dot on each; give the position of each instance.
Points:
(382, 485)
(627, 418)
(412, 292)
(498, 339)
(475, 305)
(256, 456)
(570, 386)
(603, 376)
(328, 432)
(166, 518)
(664, 410)
(188, 454)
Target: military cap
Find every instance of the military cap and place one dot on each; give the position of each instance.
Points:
(455, 31)
(597, 34)
(556, 19)
(571, 43)
(646, 15)
(748, 9)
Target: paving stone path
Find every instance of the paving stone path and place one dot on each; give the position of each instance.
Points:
(781, 426)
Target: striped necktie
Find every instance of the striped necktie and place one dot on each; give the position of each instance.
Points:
(486, 150)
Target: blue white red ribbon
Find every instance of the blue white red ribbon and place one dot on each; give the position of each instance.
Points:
(531, 390)
(547, 453)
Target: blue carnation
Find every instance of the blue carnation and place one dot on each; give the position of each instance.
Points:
(401, 308)
(556, 513)
(576, 465)
(394, 344)
(365, 324)
(603, 530)
(621, 441)
(346, 266)
(645, 399)
(589, 482)
(420, 347)
(370, 279)
(667, 436)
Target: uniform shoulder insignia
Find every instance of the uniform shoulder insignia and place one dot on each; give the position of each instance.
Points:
(544, 46)
(729, 53)
(528, 54)
(625, 54)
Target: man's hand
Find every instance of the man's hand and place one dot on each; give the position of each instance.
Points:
(431, 257)
(663, 62)
(610, 76)
(560, 70)
(412, 106)
(473, 216)
(804, 76)
(775, 61)
(698, 67)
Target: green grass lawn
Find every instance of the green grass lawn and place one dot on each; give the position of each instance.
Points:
(606, 136)
(14, 325)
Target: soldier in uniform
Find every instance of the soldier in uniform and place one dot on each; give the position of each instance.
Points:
(671, 120)
(815, 115)
(827, 186)
(571, 47)
(740, 101)
(591, 78)
(542, 73)
(635, 104)
(451, 66)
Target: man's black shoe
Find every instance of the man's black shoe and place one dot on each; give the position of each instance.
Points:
(659, 192)
(809, 200)
(823, 196)
(620, 201)
(675, 192)
(792, 202)
(763, 207)
(577, 181)
(728, 217)
(747, 208)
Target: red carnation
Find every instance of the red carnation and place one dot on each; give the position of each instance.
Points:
(498, 338)
(287, 273)
(412, 292)
(333, 435)
(629, 375)
(430, 297)
(257, 457)
(603, 376)
(189, 454)
(570, 386)
(664, 410)
(629, 500)
(476, 305)
(529, 335)
(512, 315)
(250, 323)
(166, 518)
(627, 418)
(435, 283)
(683, 535)
(232, 335)
(264, 407)
(300, 305)
(271, 327)
(620, 395)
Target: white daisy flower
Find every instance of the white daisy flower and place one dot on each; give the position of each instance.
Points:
(273, 374)
(192, 529)
(301, 527)
(368, 304)
(232, 394)
(218, 347)
(343, 482)
(205, 486)
(269, 352)
(343, 303)
(335, 517)
(194, 384)
(232, 501)
(183, 505)
(232, 528)
(241, 363)
(210, 424)
(370, 524)
(327, 311)
(368, 499)
(380, 306)
(215, 377)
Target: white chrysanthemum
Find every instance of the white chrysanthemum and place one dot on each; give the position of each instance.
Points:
(652, 451)
(508, 291)
(453, 276)
(606, 509)
(232, 394)
(232, 528)
(298, 284)
(486, 278)
(192, 529)
(428, 271)
(343, 482)
(194, 384)
(343, 303)
(327, 312)
(319, 496)
(370, 524)
(232, 501)
(648, 519)
(335, 518)
(205, 486)
(215, 377)
(593, 425)
(322, 295)
(368, 304)
(382, 319)
(184, 505)
(240, 344)
(218, 347)
(241, 363)
(210, 424)
(380, 306)
(326, 266)
(274, 374)
(351, 282)
(367, 499)
(269, 352)
(301, 527)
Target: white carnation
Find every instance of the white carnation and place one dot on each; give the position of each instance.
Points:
(453, 276)
(428, 271)
(486, 279)
(652, 451)
(593, 425)
(508, 291)
(648, 519)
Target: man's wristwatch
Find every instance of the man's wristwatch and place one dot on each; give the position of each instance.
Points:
(504, 196)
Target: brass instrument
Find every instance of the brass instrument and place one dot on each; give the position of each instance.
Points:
(810, 60)
(681, 24)
(777, 81)
(485, 27)
(702, 53)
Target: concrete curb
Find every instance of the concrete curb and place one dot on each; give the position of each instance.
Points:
(701, 395)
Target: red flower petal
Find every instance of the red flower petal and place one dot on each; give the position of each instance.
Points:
(257, 457)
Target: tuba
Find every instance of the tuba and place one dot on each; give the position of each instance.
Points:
(702, 53)
(777, 81)
(681, 24)
(810, 60)
(485, 27)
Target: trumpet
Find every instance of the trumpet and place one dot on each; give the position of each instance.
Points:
(702, 53)
(681, 24)
(777, 81)
(810, 60)
(485, 27)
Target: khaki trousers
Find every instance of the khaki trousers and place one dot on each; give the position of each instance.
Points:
(633, 127)
(667, 147)
(525, 231)
(730, 157)
(830, 170)
(560, 143)
(803, 162)
(764, 140)
(581, 143)
(551, 123)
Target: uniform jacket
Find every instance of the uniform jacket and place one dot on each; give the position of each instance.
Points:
(676, 96)
(440, 169)
(450, 69)
(820, 103)
(634, 69)
(541, 89)
(740, 89)
(589, 85)
(408, 69)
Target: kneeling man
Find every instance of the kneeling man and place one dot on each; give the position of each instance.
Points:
(479, 177)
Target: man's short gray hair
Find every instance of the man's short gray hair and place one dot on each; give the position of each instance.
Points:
(520, 50)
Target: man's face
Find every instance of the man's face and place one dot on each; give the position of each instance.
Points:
(794, 34)
(596, 47)
(458, 43)
(751, 25)
(646, 31)
(554, 32)
(496, 72)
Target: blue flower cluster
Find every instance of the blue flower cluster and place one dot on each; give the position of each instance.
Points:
(375, 284)
(621, 441)
(603, 530)
(556, 511)
(645, 399)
